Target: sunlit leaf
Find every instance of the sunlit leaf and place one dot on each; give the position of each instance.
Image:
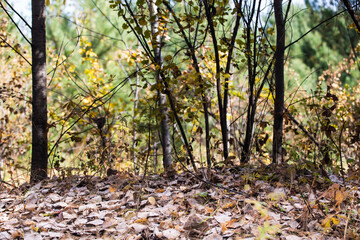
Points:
(152, 201)
(112, 189)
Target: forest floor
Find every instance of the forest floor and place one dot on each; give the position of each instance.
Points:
(236, 203)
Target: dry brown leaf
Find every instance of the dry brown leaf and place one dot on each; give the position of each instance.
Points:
(174, 215)
(194, 222)
(112, 189)
(336, 193)
(209, 210)
(228, 205)
(96, 222)
(142, 220)
(17, 234)
(223, 227)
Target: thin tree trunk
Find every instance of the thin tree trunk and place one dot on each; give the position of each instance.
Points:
(225, 131)
(279, 83)
(136, 100)
(222, 111)
(39, 101)
(249, 120)
(165, 129)
(245, 153)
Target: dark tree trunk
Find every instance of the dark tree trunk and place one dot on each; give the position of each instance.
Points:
(250, 118)
(279, 83)
(223, 123)
(351, 11)
(39, 101)
(165, 129)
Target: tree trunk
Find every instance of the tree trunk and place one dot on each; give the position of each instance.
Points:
(351, 11)
(245, 153)
(39, 101)
(134, 139)
(279, 83)
(222, 111)
(165, 129)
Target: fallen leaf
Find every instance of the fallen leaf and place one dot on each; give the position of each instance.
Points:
(171, 233)
(141, 220)
(96, 222)
(194, 222)
(152, 201)
(112, 189)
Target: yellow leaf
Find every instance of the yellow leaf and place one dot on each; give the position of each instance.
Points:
(141, 220)
(47, 2)
(326, 223)
(352, 25)
(152, 201)
(247, 187)
(335, 221)
(227, 76)
(270, 31)
(34, 228)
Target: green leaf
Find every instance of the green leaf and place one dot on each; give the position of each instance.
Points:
(147, 34)
(142, 22)
(203, 194)
(168, 58)
(138, 30)
(140, 3)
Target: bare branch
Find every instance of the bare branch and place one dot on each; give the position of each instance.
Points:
(15, 50)
(312, 29)
(7, 13)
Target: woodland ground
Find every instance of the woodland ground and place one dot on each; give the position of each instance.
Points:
(266, 203)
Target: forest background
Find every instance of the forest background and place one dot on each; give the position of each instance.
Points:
(105, 111)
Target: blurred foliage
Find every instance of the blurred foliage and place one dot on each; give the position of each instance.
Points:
(15, 107)
(326, 45)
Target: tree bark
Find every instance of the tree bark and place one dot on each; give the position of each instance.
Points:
(279, 83)
(250, 118)
(223, 124)
(39, 89)
(165, 129)
(351, 11)
(134, 139)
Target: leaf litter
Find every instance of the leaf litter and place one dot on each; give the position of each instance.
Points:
(263, 205)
